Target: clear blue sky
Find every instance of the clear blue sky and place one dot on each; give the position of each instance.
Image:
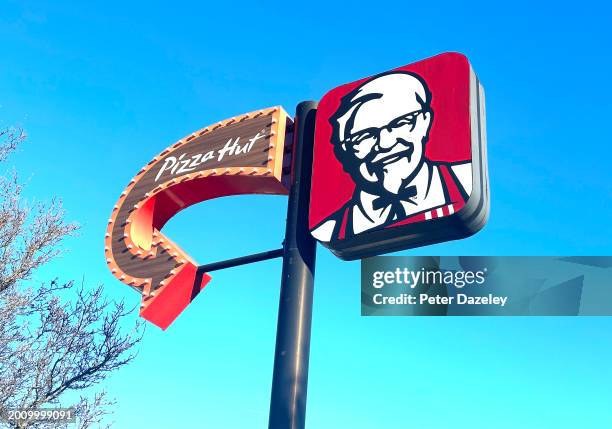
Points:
(102, 88)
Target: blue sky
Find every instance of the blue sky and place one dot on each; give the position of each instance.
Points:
(102, 88)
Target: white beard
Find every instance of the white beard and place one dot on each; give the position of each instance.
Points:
(395, 174)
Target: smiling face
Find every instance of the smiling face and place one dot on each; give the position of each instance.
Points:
(382, 131)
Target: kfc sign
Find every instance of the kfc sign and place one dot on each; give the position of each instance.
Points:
(400, 160)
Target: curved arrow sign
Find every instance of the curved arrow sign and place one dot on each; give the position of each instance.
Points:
(242, 155)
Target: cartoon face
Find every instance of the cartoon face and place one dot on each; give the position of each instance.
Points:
(398, 159)
(381, 129)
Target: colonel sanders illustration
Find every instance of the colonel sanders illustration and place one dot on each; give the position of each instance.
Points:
(379, 135)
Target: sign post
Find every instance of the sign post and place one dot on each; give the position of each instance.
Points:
(290, 379)
(385, 163)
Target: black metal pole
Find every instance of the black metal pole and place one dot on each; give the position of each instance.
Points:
(290, 378)
(243, 260)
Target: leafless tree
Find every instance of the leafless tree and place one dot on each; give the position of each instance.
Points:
(57, 339)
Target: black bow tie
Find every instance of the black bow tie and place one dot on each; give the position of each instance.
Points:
(395, 201)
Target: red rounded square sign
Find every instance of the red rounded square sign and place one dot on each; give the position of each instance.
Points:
(399, 159)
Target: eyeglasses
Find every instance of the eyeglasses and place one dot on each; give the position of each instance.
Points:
(373, 133)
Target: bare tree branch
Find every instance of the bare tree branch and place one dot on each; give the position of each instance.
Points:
(56, 337)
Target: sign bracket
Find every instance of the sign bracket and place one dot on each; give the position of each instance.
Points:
(242, 260)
